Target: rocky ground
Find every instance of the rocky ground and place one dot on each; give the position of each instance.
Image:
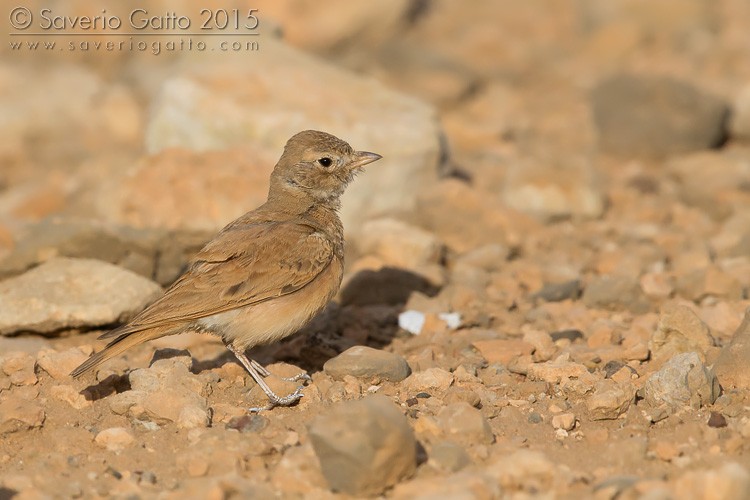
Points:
(547, 274)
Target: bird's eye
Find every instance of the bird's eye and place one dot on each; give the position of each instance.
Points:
(325, 161)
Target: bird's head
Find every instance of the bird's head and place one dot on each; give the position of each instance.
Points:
(316, 166)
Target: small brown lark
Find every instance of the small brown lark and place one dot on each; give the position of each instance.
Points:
(265, 275)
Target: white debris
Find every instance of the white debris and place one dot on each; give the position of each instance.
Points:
(411, 321)
(453, 320)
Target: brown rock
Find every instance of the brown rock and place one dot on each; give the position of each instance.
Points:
(555, 371)
(114, 439)
(731, 366)
(683, 381)
(680, 330)
(610, 400)
(430, 380)
(369, 364)
(17, 414)
(501, 350)
(364, 446)
(93, 293)
(465, 424)
(70, 395)
(60, 364)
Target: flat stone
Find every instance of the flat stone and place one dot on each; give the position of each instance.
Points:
(72, 293)
(368, 363)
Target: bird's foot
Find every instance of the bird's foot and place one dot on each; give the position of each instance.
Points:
(274, 400)
(300, 376)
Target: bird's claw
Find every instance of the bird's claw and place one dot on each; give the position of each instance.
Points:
(274, 401)
(300, 376)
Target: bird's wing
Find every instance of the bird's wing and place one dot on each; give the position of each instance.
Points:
(243, 265)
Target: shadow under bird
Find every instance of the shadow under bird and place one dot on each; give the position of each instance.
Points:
(268, 273)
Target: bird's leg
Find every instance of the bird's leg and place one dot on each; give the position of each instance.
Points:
(264, 373)
(252, 368)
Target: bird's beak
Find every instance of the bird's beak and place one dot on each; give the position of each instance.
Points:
(362, 158)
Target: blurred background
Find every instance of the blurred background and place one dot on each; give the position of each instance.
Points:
(572, 140)
(554, 110)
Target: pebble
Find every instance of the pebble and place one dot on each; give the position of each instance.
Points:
(430, 380)
(555, 371)
(114, 439)
(165, 392)
(564, 421)
(464, 424)
(19, 366)
(59, 364)
(17, 414)
(72, 293)
(679, 331)
(683, 381)
(70, 395)
(717, 420)
(372, 365)
(364, 446)
(501, 350)
(610, 400)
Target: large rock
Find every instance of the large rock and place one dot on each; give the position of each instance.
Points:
(683, 381)
(369, 364)
(221, 105)
(656, 116)
(364, 446)
(72, 293)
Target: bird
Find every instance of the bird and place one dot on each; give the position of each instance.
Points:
(265, 275)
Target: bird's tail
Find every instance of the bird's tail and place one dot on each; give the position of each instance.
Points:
(122, 343)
